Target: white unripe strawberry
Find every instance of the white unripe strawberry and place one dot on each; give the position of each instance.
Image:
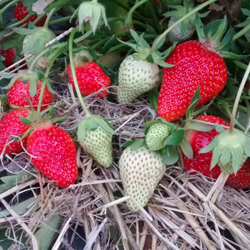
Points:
(140, 172)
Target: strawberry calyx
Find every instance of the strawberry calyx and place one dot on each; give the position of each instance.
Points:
(230, 150)
(143, 51)
(82, 57)
(92, 122)
(92, 12)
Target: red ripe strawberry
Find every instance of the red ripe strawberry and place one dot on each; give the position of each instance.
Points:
(21, 12)
(54, 154)
(18, 93)
(201, 161)
(11, 125)
(90, 78)
(195, 65)
(9, 55)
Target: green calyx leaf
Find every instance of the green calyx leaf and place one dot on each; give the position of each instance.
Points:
(92, 123)
(25, 120)
(194, 102)
(134, 145)
(199, 125)
(170, 155)
(35, 42)
(210, 146)
(186, 148)
(92, 12)
(175, 138)
(22, 31)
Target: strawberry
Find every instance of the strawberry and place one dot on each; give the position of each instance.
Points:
(90, 78)
(136, 77)
(184, 30)
(8, 55)
(156, 136)
(201, 161)
(195, 65)
(11, 125)
(140, 171)
(21, 12)
(19, 92)
(53, 152)
(95, 137)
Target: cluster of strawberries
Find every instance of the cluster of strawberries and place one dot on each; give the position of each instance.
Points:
(189, 66)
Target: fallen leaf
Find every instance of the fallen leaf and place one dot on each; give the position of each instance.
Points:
(39, 6)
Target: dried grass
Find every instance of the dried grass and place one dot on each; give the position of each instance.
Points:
(180, 215)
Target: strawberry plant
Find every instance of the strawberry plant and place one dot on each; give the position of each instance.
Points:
(126, 123)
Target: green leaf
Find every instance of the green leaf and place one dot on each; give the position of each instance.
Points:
(186, 148)
(199, 126)
(225, 156)
(47, 232)
(7, 75)
(160, 43)
(227, 39)
(210, 146)
(52, 112)
(215, 158)
(237, 155)
(128, 44)
(137, 144)
(19, 208)
(50, 88)
(163, 64)
(22, 31)
(230, 55)
(134, 35)
(246, 12)
(219, 128)
(149, 123)
(109, 44)
(25, 121)
(170, 155)
(13, 180)
(175, 138)
(106, 126)
(32, 86)
(246, 146)
(194, 101)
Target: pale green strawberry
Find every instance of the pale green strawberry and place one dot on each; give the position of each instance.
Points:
(175, 35)
(185, 29)
(156, 136)
(136, 77)
(34, 43)
(95, 137)
(140, 172)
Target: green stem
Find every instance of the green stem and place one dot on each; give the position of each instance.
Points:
(56, 54)
(241, 32)
(8, 5)
(178, 22)
(60, 20)
(130, 13)
(17, 23)
(46, 25)
(87, 113)
(3, 2)
(44, 52)
(39, 18)
(237, 99)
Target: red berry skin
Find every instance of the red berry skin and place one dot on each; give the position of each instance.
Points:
(18, 93)
(11, 125)
(21, 12)
(54, 154)
(195, 65)
(201, 162)
(9, 56)
(90, 78)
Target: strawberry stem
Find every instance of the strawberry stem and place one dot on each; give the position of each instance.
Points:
(8, 5)
(46, 25)
(17, 23)
(201, 6)
(237, 99)
(56, 54)
(84, 107)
